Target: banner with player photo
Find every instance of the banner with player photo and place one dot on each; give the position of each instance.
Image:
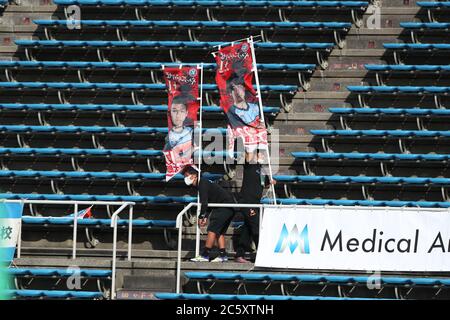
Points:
(183, 104)
(238, 98)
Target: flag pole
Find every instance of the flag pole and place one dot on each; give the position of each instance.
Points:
(261, 110)
(197, 236)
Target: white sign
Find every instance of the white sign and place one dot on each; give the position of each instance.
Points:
(355, 238)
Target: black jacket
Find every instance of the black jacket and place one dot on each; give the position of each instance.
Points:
(211, 192)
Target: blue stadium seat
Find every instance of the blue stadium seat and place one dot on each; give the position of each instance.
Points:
(417, 46)
(370, 156)
(95, 175)
(143, 223)
(193, 296)
(383, 133)
(198, 24)
(97, 152)
(415, 112)
(168, 44)
(215, 3)
(54, 294)
(120, 86)
(141, 65)
(433, 4)
(425, 25)
(316, 278)
(407, 68)
(399, 89)
(365, 203)
(52, 272)
(362, 180)
(88, 197)
(90, 129)
(104, 107)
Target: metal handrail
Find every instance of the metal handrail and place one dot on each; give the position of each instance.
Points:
(114, 216)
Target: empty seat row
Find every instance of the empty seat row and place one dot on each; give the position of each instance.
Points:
(316, 278)
(142, 65)
(71, 152)
(54, 294)
(406, 68)
(29, 220)
(189, 199)
(91, 129)
(399, 89)
(53, 272)
(194, 296)
(363, 180)
(162, 199)
(104, 107)
(95, 175)
(370, 156)
(194, 23)
(166, 44)
(121, 86)
(425, 25)
(391, 111)
(214, 3)
(417, 46)
(365, 203)
(434, 4)
(383, 133)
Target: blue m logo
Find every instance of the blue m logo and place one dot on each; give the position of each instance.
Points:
(294, 239)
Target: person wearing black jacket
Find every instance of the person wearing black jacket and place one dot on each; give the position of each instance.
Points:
(219, 218)
(253, 183)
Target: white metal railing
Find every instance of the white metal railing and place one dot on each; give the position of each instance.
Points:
(179, 225)
(76, 204)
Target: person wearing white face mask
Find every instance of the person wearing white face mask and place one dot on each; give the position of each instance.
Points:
(219, 218)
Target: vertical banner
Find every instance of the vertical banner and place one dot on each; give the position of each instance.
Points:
(10, 224)
(183, 104)
(238, 98)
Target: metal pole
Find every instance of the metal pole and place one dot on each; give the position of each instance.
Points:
(19, 243)
(197, 228)
(113, 272)
(75, 227)
(261, 111)
(130, 231)
(180, 235)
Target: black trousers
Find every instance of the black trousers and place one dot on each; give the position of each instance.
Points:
(251, 192)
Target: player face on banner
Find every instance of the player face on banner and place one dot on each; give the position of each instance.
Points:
(183, 105)
(234, 78)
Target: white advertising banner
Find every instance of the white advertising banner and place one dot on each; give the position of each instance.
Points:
(355, 238)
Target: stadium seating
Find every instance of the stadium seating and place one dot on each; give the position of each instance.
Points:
(314, 156)
(382, 133)
(214, 3)
(363, 180)
(411, 112)
(54, 294)
(193, 296)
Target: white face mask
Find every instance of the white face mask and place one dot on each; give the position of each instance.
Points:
(188, 180)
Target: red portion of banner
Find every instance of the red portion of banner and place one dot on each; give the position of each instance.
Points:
(238, 100)
(183, 104)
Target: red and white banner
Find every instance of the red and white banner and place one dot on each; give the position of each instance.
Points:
(238, 98)
(183, 104)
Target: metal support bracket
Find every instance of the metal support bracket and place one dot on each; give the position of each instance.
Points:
(282, 15)
(356, 18)
(138, 14)
(116, 119)
(81, 76)
(444, 193)
(173, 56)
(101, 56)
(131, 190)
(135, 98)
(151, 165)
(210, 14)
(48, 34)
(321, 61)
(75, 165)
(307, 168)
(402, 146)
(362, 101)
(91, 239)
(9, 75)
(96, 143)
(305, 84)
(379, 78)
(120, 35)
(41, 119)
(62, 97)
(288, 191)
(325, 145)
(414, 37)
(55, 188)
(191, 34)
(29, 55)
(340, 42)
(366, 193)
(21, 142)
(438, 102)
(284, 104)
(385, 171)
(343, 122)
(397, 58)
